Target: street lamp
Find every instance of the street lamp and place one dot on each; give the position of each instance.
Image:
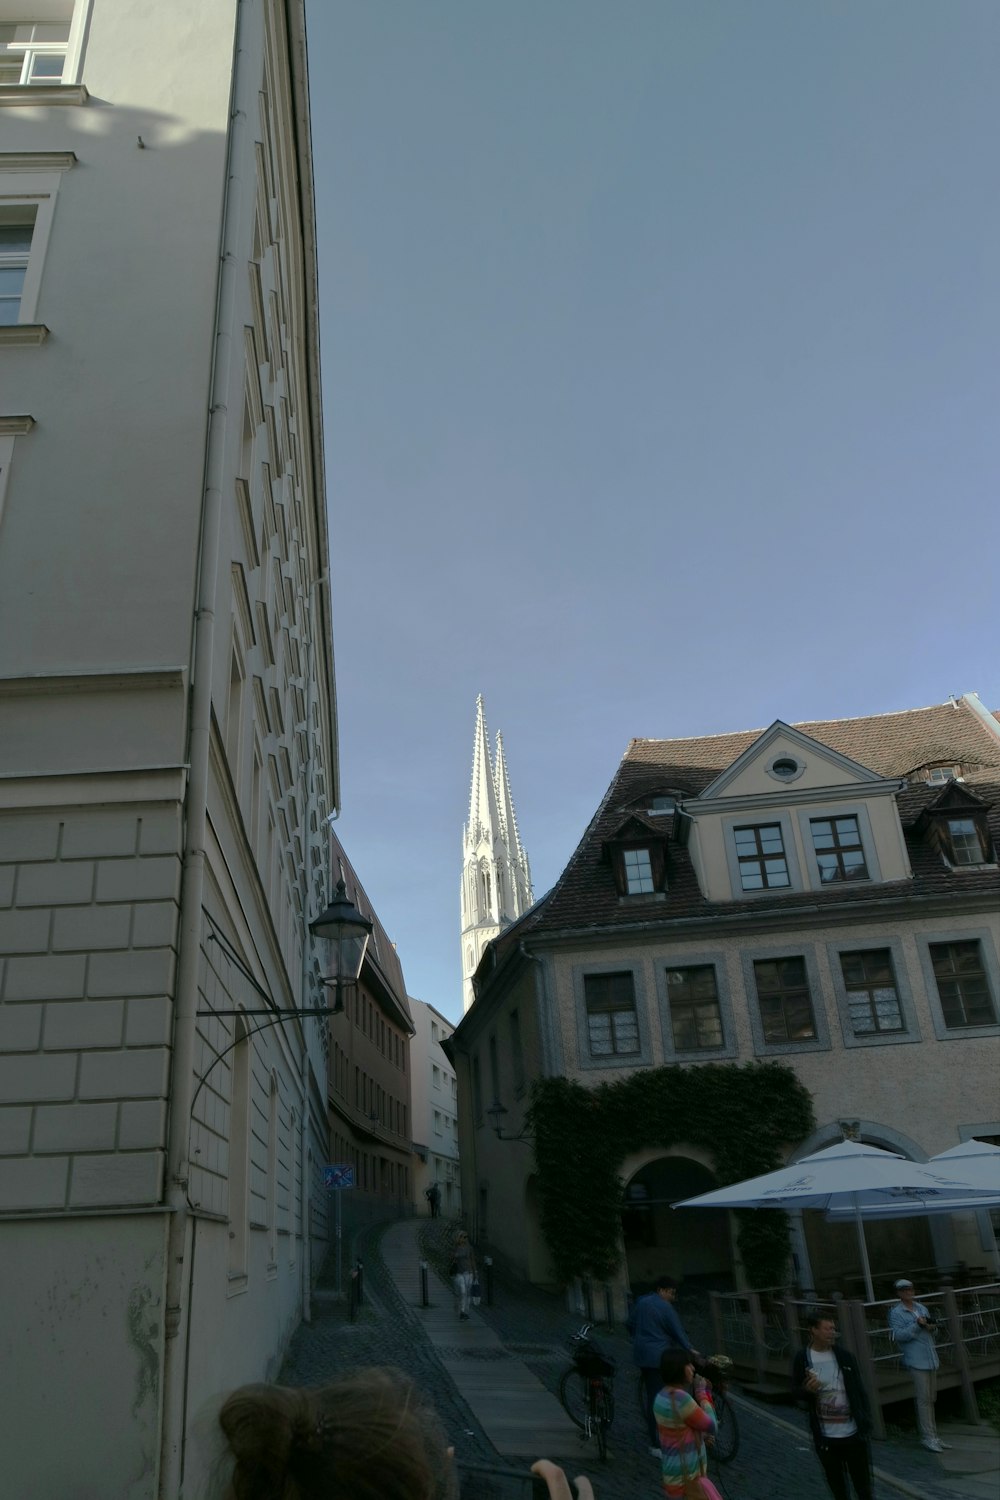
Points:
(347, 932)
(498, 1113)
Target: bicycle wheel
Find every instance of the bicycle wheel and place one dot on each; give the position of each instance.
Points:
(573, 1397)
(727, 1434)
(602, 1415)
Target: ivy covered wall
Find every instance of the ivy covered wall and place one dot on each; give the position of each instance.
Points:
(746, 1115)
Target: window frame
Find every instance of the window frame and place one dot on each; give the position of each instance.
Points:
(838, 850)
(807, 952)
(640, 992)
(988, 955)
(818, 812)
(32, 181)
(904, 992)
(753, 817)
(980, 834)
(703, 958)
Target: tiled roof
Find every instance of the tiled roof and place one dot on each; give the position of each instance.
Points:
(892, 745)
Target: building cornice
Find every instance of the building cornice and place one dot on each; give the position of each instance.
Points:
(15, 426)
(772, 920)
(127, 784)
(694, 808)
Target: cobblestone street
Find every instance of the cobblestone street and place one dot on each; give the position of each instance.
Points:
(775, 1460)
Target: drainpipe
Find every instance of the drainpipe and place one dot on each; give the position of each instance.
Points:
(181, 1224)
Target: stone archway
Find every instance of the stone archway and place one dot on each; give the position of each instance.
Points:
(690, 1244)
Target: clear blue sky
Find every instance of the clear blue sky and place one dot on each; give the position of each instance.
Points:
(660, 360)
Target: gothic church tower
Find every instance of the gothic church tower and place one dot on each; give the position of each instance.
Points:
(496, 880)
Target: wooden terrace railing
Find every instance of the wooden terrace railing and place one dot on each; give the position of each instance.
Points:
(761, 1330)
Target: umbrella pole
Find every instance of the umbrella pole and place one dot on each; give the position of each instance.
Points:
(864, 1250)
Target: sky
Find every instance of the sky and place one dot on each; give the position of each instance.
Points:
(660, 373)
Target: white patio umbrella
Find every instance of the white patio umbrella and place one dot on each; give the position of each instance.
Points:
(849, 1176)
(978, 1163)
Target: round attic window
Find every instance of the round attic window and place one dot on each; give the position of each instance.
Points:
(785, 768)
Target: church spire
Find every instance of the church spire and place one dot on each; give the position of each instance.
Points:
(496, 880)
(484, 815)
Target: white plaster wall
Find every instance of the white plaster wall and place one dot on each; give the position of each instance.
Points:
(105, 493)
(81, 1344)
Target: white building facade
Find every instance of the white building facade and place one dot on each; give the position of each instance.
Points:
(496, 876)
(435, 1111)
(169, 752)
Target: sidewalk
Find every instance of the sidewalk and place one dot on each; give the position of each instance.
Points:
(494, 1378)
(514, 1409)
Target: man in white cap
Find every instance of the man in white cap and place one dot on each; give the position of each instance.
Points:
(911, 1326)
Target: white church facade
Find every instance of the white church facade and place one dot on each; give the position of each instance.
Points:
(496, 877)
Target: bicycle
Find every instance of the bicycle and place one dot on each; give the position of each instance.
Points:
(725, 1445)
(585, 1389)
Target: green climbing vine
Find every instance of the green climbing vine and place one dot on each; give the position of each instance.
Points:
(744, 1114)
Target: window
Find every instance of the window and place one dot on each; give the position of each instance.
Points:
(435, 1075)
(638, 872)
(695, 1019)
(839, 854)
(872, 996)
(783, 997)
(33, 53)
(962, 984)
(938, 775)
(17, 226)
(760, 852)
(612, 1022)
(966, 838)
(785, 768)
(660, 807)
(437, 1122)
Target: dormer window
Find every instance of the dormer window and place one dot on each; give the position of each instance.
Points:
(938, 775)
(638, 872)
(637, 853)
(839, 851)
(968, 844)
(660, 807)
(956, 823)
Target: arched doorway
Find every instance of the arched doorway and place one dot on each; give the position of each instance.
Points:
(691, 1244)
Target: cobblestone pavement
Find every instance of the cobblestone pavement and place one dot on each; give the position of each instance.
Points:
(775, 1459)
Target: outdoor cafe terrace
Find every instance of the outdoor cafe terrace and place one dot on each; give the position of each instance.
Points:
(761, 1330)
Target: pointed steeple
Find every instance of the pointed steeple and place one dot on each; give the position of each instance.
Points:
(505, 803)
(484, 815)
(496, 880)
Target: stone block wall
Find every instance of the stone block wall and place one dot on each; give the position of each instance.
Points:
(88, 932)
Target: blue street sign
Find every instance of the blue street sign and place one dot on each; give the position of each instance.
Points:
(339, 1176)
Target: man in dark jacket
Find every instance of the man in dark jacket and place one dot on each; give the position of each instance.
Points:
(654, 1326)
(827, 1378)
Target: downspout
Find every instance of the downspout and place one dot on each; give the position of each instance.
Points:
(181, 1223)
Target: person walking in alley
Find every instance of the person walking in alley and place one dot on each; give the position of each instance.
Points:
(912, 1327)
(433, 1196)
(828, 1379)
(654, 1327)
(463, 1273)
